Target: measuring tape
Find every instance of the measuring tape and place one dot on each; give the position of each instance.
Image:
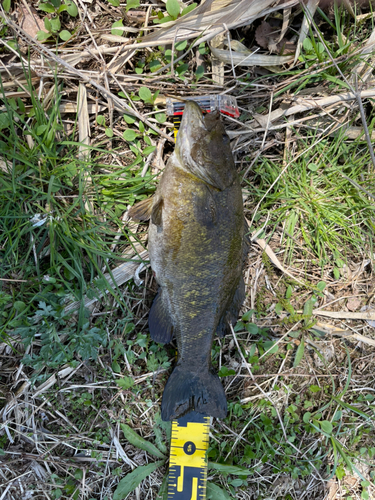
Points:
(188, 462)
(225, 103)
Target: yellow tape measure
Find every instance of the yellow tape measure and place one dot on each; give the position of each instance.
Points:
(188, 462)
(176, 123)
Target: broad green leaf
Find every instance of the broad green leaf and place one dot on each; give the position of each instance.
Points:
(4, 121)
(226, 372)
(145, 94)
(100, 120)
(326, 426)
(337, 415)
(252, 350)
(41, 129)
(314, 388)
(136, 440)
(270, 347)
(115, 3)
(289, 292)
(199, 72)
(62, 8)
(336, 273)
(129, 118)
(182, 68)
(165, 19)
(300, 352)
(307, 45)
(173, 8)
(6, 5)
(65, 35)
(229, 469)
(129, 135)
(19, 306)
(214, 492)
(181, 45)
(115, 25)
(125, 383)
(307, 310)
(252, 328)
(203, 49)
(236, 482)
(133, 479)
(155, 65)
(239, 326)
(278, 308)
(149, 149)
(71, 8)
(131, 4)
(340, 472)
(161, 117)
(247, 315)
(42, 35)
(108, 132)
(306, 417)
(321, 285)
(188, 9)
(47, 24)
(116, 367)
(313, 167)
(55, 24)
(47, 7)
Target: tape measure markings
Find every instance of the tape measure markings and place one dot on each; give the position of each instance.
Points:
(188, 466)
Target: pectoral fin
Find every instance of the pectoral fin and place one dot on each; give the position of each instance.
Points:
(141, 211)
(156, 213)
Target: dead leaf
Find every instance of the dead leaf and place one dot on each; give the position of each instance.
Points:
(332, 486)
(30, 21)
(265, 34)
(136, 16)
(353, 304)
(284, 47)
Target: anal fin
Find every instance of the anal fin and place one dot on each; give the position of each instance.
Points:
(159, 322)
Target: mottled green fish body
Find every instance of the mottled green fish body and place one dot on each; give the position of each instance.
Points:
(196, 247)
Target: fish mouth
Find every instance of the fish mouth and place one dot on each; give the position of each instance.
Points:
(194, 129)
(191, 119)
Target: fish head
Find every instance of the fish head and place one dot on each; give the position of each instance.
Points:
(203, 147)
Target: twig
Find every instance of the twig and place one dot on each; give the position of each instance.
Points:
(119, 104)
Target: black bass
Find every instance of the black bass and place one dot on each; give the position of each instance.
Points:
(197, 247)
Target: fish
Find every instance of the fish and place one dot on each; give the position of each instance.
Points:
(197, 247)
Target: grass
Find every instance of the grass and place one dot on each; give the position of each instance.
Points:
(318, 200)
(80, 390)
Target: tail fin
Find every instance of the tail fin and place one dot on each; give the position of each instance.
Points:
(191, 391)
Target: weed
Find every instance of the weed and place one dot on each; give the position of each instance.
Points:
(315, 201)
